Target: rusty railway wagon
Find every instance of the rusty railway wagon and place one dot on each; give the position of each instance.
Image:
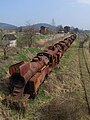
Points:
(26, 77)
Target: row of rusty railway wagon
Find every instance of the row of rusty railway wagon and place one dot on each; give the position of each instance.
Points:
(26, 77)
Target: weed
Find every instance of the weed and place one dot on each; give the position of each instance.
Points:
(22, 56)
(32, 50)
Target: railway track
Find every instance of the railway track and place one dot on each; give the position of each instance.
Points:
(84, 70)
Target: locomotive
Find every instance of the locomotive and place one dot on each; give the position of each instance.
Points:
(27, 77)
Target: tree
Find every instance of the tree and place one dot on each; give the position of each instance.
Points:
(29, 36)
(26, 38)
(20, 41)
(20, 29)
(4, 43)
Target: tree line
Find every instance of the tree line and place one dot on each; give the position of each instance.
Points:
(28, 36)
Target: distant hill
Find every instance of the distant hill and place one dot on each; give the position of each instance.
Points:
(37, 26)
(7, 26)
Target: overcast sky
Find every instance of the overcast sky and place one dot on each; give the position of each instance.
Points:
(65, 12)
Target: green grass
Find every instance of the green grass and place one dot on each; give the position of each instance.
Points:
(22, 56)
(8, 65)
(32, 50)
(2, 72)
(39, 100)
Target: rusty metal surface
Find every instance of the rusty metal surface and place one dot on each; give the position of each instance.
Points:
(15, 67)
(26, 77)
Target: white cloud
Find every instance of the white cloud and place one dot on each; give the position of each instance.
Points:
(84, 1)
